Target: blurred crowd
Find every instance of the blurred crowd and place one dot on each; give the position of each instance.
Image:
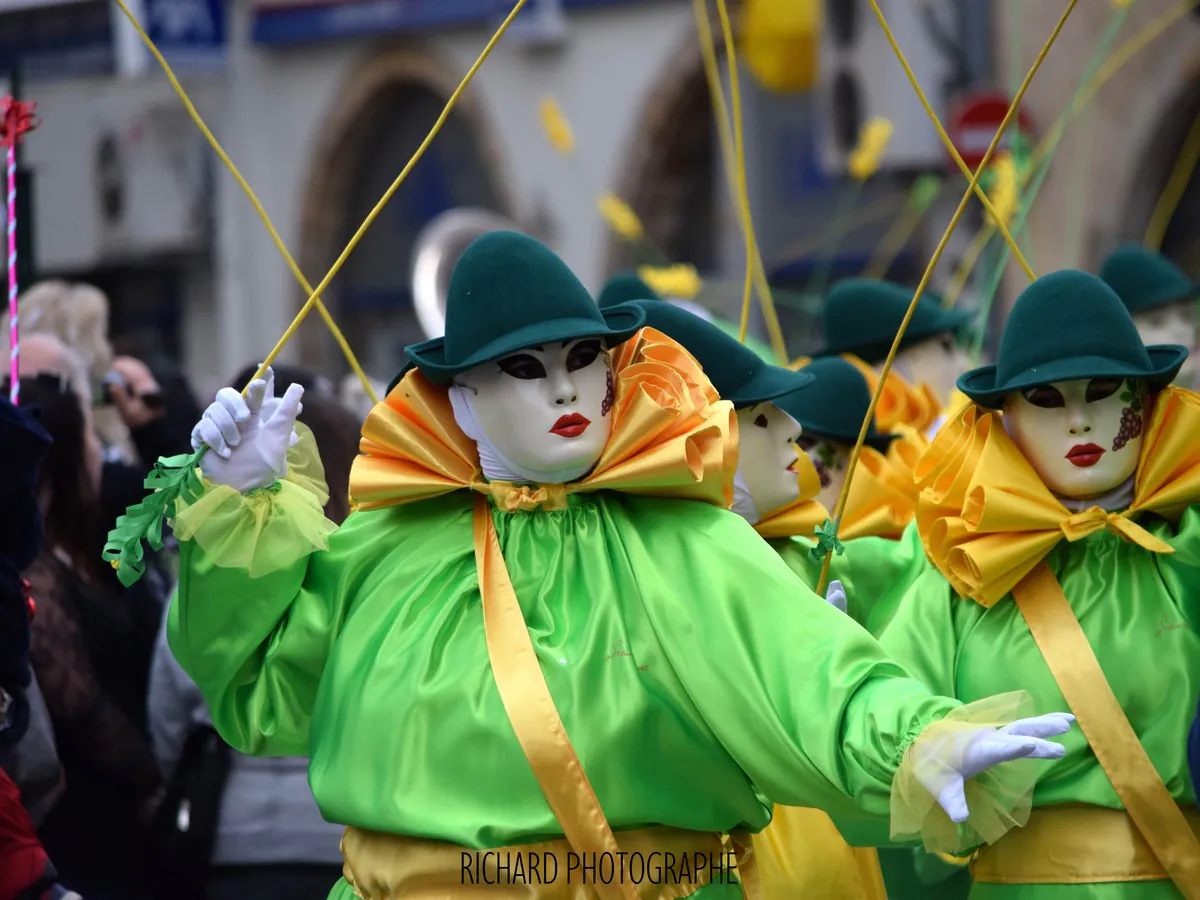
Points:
(113, 783)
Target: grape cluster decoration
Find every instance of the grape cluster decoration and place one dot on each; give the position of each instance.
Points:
(1131, 416)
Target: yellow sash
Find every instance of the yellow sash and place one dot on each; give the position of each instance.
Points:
(1120, 753)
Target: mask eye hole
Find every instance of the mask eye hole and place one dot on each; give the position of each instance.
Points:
(523, 366)
(761, 420)
(806, 443)
(583, 354)
(948, 342)
(1102, 388)
(1044, 396)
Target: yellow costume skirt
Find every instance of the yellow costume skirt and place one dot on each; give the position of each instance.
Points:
(801, 856)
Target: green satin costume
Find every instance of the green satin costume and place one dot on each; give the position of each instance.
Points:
(694, 674)
(875, 572)
(1140, 612)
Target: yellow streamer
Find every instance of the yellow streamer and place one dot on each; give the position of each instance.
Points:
(620, 217)
(1177, 184)
(262, 213)
(416, 157)
(1149, 33)
(868, 154)
(557, 128)
(958, 160)
(937, 255)
(1005, 200)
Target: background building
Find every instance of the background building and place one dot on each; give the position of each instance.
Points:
(321, 102)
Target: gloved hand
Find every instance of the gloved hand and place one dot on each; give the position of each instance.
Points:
(946, 763)
(835, 596)
(248, 439)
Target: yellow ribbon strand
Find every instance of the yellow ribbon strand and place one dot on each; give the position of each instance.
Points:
(254, 201)
(725, 134)
(937, 255)
(416, 157)
(958, 160)
(1181, 177)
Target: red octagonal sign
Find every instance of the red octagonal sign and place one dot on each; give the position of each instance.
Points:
(975, 120)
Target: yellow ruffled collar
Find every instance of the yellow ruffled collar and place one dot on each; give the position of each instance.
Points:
(882, 501)
(672, 436)
(986, 518)
(900, 403)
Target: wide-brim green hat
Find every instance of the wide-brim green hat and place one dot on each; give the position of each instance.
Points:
(861, 316)
(1145, 280)
(739, 374)
(1069, 326)
(624, 288)
(508, 293)
(836, 405)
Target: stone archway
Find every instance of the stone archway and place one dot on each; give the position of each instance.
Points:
(359, 150)
(668, 176)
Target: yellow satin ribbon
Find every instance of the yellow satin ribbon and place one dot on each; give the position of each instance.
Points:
(900, 403)
(1117, 747)
(381, 866)
(986, 518)
(672, 436)
(1073, 845)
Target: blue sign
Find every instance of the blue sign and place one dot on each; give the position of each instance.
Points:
(187, 31)
(280, 22)
(63, 40)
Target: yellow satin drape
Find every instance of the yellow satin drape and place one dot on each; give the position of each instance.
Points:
(986, 518)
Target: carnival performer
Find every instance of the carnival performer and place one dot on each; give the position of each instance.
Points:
(1058, 509)
(1160, 297)
(534, 630)
(859, 320)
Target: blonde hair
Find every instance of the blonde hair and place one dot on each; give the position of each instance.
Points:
(77, 315)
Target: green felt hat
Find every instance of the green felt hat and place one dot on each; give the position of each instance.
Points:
(1069, 326)
(1145, 280)
(509, 292)
(862, 315)
(738, 373)
(836, 404)
(623, 288)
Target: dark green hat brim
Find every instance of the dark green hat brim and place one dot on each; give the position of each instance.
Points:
(947, 321)
(767, 384)
(980, 384)
(623, 322)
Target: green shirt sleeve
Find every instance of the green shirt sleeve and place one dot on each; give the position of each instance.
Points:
(922, 635)
(257, 647)
(802, 698)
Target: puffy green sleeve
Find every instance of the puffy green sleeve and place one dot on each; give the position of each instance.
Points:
(875, 573)
(1181, 569)
(801, 697)
(263, 586)
(922, 634)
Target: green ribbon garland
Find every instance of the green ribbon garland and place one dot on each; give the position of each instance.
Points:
(173, 479)
(827, 542)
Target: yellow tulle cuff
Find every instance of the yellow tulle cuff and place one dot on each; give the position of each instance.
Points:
(999, 799)
(269, 529)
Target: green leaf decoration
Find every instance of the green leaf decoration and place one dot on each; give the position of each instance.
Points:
(827, 542)
(173, 479)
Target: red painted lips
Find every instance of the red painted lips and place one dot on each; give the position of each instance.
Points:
(1085, 455)
(571, 426)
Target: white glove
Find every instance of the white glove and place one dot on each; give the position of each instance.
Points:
(248, 439)
(945, 765)
(835, 595)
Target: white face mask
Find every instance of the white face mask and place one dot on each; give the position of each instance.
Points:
(541, 415)
(767, 457)
(831, 460)
(1083, 438)
(936, 362)
(1171, 324)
